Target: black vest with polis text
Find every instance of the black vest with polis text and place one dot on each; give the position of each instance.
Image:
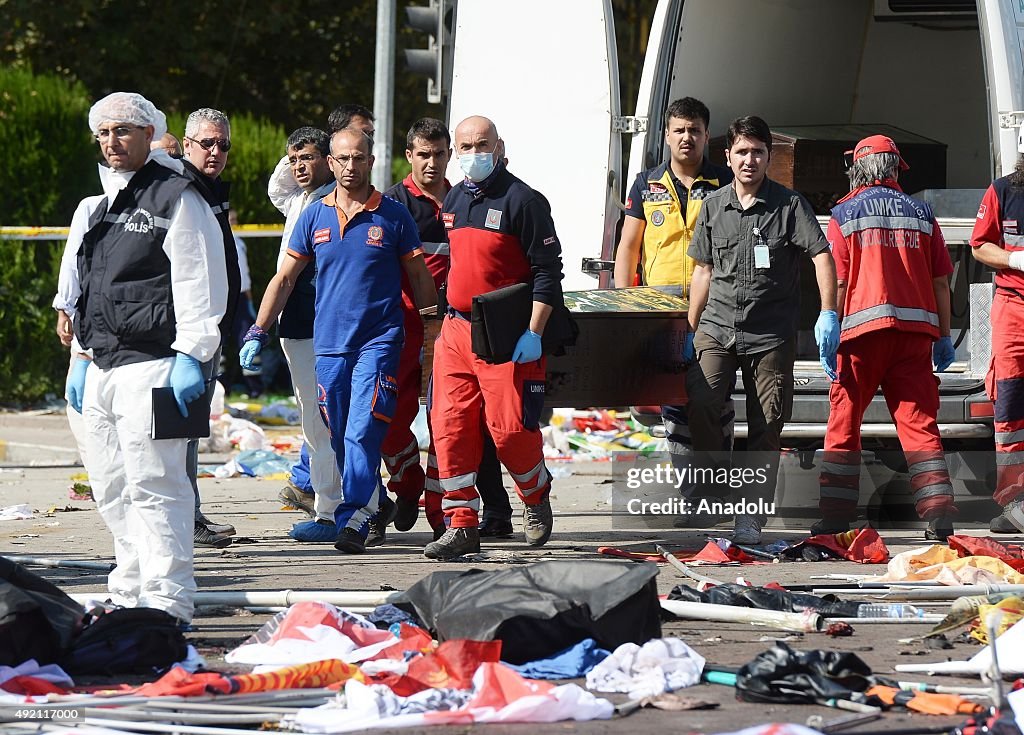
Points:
(126, 311)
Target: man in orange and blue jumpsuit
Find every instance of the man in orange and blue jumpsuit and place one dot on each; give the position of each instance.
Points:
(893, 275)
(500, 233)
(998, 242)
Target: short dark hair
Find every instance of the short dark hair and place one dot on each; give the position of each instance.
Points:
(428, 128)
(689, 108)
(341, 117)
(310, 136)
(750, 126)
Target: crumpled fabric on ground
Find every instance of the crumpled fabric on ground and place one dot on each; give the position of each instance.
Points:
(862, 545)
(179, 682)
(51, 673)
(451, 666)
(1010, 610)
(572, 663)
(660, 665)
(387, 615)
(499, 694)
(783, 728)
(711, 553)
(22, 512)
(767, 598)
(971, 546)
(927, 703)
(781, 675)
(944, 565)
(311, 631)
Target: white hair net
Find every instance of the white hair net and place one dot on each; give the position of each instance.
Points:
(128, 107)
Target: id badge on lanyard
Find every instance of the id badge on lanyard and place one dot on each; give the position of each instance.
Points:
(761, 257)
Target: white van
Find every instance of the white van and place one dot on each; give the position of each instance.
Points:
(951, 71)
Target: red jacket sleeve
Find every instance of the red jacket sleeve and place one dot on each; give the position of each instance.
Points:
(988, 226)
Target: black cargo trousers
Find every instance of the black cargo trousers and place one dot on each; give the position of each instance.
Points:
(768, 385)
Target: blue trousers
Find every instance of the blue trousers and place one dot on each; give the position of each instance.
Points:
(300, 472)
(357, 394)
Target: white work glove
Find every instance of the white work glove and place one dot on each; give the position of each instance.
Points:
(1017, 260)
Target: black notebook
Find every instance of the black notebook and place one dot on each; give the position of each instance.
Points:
(168, 423)
(500, 317)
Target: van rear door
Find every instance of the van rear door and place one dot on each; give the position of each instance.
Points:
(1002, 35)
(547, 74)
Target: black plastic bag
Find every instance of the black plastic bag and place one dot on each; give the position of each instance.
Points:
(762, 598)
(37, 620)
(539, 609)
(781, 675)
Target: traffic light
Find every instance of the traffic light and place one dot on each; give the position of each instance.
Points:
(431, 62)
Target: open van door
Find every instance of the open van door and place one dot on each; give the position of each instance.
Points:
(647, 146)
(1002, 34)
(547, 74)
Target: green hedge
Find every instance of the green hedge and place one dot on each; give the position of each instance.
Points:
(49, 156)
(50, 165)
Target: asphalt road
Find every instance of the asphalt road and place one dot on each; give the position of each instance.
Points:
(264, 558)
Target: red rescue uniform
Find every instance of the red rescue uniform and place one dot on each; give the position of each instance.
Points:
(1001, 222)
(500, 233)
(887, 247)
(400, 451)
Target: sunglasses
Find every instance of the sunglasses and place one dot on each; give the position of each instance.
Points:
(208, 143)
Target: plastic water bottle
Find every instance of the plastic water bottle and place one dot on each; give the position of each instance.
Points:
(888, 610)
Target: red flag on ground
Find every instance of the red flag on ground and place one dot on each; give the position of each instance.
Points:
(862, 545)
(970, 546)
(451, 666)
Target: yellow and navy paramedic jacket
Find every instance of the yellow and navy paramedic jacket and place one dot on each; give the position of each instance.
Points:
(657, 197)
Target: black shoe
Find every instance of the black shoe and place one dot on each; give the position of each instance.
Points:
(454, 542)
(1002, 524)
(407, 511)
(496, 528)
(219, 528)
(829, 526)
(350, 542)
(207, 538)
(939, 528)
(439, 531)
(291, 497)
(378, 525)
(538, 522)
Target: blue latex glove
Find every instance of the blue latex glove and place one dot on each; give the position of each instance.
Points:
(527, 348)
(689, 352)
(826, 334)
(248, 353)
(943, 353)
(828, 364)
(186, 381)
(76, 384)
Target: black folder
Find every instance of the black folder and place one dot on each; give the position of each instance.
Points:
(500, 317)
(168, 423)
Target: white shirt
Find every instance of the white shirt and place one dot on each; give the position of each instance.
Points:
(289, 197)
(243, 264)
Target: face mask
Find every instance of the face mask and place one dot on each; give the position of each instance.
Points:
(476, 166)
